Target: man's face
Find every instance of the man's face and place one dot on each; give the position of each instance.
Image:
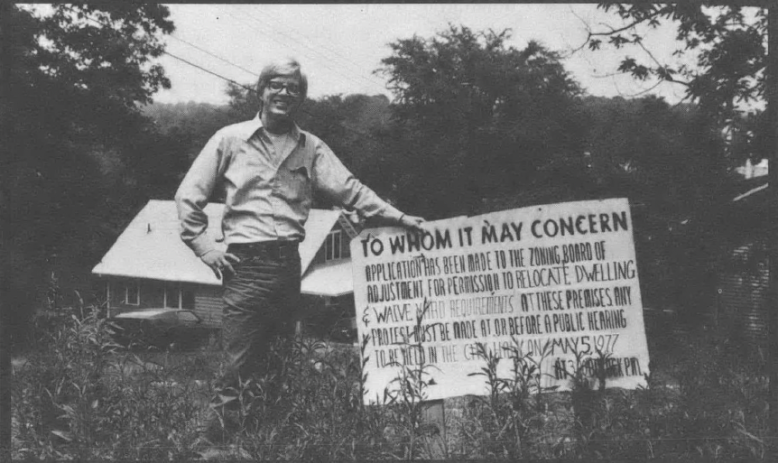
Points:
(282, 96)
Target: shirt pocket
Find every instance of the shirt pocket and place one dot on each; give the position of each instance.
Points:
(294, 183)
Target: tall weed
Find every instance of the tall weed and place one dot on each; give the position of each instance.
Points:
(78, 396)
(514, 414)
(408, 396)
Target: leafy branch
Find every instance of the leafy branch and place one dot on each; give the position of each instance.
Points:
(727, 43)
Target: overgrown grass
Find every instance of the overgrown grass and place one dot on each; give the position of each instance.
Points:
(78, 397)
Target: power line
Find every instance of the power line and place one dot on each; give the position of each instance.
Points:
(325, 57)
(324, 63)
(208, 71)
(333, 52)
(214, 55)
(90, 20)
(343, 60)
(252, 90)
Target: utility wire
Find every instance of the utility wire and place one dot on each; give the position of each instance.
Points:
(208, 71)
(348, 77)
(251, 90)
(342, 59)
(320, 54)
(334, 52)
(214, 55)
(98, 24)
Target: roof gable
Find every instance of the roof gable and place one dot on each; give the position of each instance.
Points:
(320, 223)
(151, 247)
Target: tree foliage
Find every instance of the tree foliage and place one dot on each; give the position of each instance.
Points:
(727, 42)
(475, 117)
(669, 164)
(659, 154)
(75, 77)
(182, 131)
(725, 51)
(353, 126)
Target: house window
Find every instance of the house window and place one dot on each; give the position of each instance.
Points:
(132, 293)
(179, 297)
(331, 249)
(172, 296)
(336, 246)
(345, 250)
(187, 298)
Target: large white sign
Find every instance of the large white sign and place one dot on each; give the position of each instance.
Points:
(557, 283)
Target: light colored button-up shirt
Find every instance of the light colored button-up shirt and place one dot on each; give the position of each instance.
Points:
(266, 199)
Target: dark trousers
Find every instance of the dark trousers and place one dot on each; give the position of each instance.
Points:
(262, 299)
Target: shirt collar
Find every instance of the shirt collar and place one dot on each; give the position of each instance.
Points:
(251, 127)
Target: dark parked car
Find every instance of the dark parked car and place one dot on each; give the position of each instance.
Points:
(175, 329)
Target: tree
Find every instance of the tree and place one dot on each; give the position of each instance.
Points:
(659, 157)
(180, 132)
(729, 46)
(475, 118)
(659, 153)
(244, 102)
(75, 79)
(352, 127)
(726, 84)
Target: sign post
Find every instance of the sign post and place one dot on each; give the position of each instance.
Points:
(433, 414)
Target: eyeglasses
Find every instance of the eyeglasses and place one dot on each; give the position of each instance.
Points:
(276, 87)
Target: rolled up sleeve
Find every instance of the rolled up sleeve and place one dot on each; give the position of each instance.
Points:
(193, 194)
(333, 179)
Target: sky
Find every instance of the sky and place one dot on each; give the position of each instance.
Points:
(340, 46)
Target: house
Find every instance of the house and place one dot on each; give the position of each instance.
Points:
(149, 266)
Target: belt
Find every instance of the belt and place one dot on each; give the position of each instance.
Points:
(275, 248)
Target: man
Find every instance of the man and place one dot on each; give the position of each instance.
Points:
(268, 170)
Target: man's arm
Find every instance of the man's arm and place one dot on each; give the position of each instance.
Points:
(336, 181)
(191, 199)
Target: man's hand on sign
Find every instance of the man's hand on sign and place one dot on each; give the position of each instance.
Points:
(219, 261)
(412, 222)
